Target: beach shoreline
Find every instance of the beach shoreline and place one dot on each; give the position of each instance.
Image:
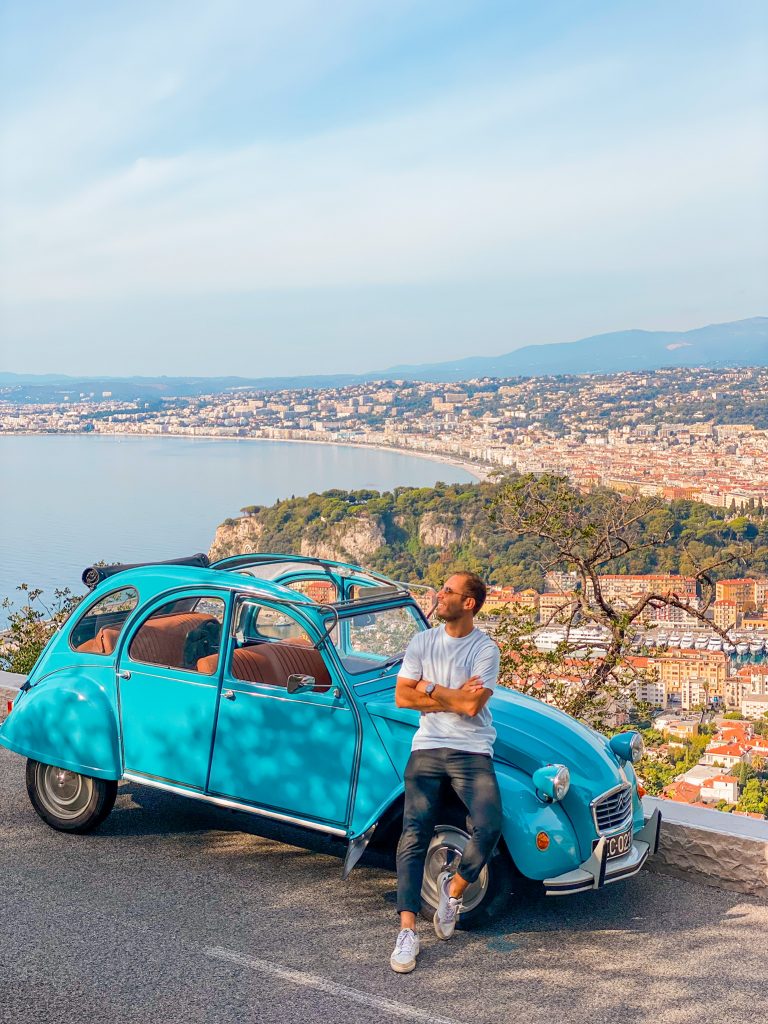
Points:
(479, 473)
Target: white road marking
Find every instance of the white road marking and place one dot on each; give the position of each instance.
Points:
(331, 987)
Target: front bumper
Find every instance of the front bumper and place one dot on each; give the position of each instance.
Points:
(598, 871)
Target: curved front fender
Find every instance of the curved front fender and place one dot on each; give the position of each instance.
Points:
(524, 817)
(68, 722)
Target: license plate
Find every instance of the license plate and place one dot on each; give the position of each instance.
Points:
(618, 845)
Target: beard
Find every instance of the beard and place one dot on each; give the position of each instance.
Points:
(446, 616)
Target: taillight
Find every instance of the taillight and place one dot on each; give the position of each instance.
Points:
(9, 706)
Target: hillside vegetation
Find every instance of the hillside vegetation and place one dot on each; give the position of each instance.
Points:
(419, 533)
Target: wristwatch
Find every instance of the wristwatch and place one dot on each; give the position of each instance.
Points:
(429, 688)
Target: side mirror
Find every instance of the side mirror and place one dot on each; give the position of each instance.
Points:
(298, 683)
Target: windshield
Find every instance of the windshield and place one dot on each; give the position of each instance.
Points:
(372, 639)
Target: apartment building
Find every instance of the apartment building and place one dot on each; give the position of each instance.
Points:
(725, 613)
(721, 787)
(652, 691)
(627, 588)
(694, 693)
(499, 598)
(754, 705)
(742, 592)
(675, 667)
(557, 608)
(726, 755)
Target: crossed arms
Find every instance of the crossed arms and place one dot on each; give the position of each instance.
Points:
(469, 700)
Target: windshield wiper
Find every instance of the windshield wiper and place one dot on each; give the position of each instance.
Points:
(391, 663)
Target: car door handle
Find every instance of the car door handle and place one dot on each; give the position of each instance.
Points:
(228, 694)
(124, 674)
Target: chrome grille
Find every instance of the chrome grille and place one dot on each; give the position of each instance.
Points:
(612, 811)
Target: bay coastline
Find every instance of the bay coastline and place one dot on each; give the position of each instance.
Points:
(78, 502)
(480, 473)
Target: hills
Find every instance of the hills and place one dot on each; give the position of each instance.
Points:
(420, 533)
(740, 343)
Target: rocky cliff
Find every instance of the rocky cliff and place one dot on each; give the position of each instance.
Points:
(356, 526)
(354, 540)
(421, 533)
(235, 537)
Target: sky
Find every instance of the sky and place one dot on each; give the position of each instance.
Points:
(263, 189)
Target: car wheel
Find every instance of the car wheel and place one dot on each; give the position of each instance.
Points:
(68, 801)
(484, 898)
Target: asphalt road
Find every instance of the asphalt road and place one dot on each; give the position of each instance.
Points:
(176, 912)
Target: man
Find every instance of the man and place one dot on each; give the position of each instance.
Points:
(448, 674)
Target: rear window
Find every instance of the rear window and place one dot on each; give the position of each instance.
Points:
(97, 629)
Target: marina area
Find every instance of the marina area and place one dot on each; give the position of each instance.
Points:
(742, 646)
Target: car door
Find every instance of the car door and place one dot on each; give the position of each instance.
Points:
(289, 752)
(168, 680)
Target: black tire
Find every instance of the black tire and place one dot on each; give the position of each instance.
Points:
(486, 897)
(68, 801)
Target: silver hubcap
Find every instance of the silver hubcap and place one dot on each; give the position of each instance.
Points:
(65, 794)
(444, 854)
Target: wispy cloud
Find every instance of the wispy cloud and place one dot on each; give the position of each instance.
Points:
(522, 170)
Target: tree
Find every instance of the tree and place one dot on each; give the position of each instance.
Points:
(31, 626)
(745, 774)
(656, 775)
(754, 798)
(592, 534)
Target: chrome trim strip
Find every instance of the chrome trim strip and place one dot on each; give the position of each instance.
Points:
(234, 805)
(335, 706)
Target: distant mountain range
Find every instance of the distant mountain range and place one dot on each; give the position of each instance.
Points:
(741, 343)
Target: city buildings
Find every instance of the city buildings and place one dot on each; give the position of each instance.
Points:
(697, 434)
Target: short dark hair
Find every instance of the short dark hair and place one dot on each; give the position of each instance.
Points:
(474, 587)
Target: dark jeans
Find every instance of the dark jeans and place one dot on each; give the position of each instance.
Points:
(474, 781)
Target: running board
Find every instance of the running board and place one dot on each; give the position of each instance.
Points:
(234, 805)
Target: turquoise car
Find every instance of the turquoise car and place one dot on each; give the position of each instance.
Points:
(265, 684)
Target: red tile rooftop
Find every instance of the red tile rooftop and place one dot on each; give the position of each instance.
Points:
(683, 792)
(729, 749)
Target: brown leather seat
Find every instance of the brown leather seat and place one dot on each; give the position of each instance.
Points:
(162, 640)
(273, 663)
(208, 665)
(104, 642)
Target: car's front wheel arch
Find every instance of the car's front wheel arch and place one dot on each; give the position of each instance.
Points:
(483, 899)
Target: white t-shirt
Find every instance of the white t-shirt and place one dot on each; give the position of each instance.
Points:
(451, 661)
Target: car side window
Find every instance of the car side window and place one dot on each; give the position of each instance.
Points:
(183, 634)
(97, 629)
(272, 645)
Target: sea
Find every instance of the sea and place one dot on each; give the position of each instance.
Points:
(70, 500)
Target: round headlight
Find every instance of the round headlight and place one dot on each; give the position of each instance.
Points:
(637, 748)
(628, 746)
(562, 782)
(551, 782)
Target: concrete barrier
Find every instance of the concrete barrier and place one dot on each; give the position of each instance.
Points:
(701, 845)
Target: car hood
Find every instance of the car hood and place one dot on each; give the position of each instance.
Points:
(530, 734)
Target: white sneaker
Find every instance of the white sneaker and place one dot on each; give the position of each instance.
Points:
(403, 959)
(448, 908)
